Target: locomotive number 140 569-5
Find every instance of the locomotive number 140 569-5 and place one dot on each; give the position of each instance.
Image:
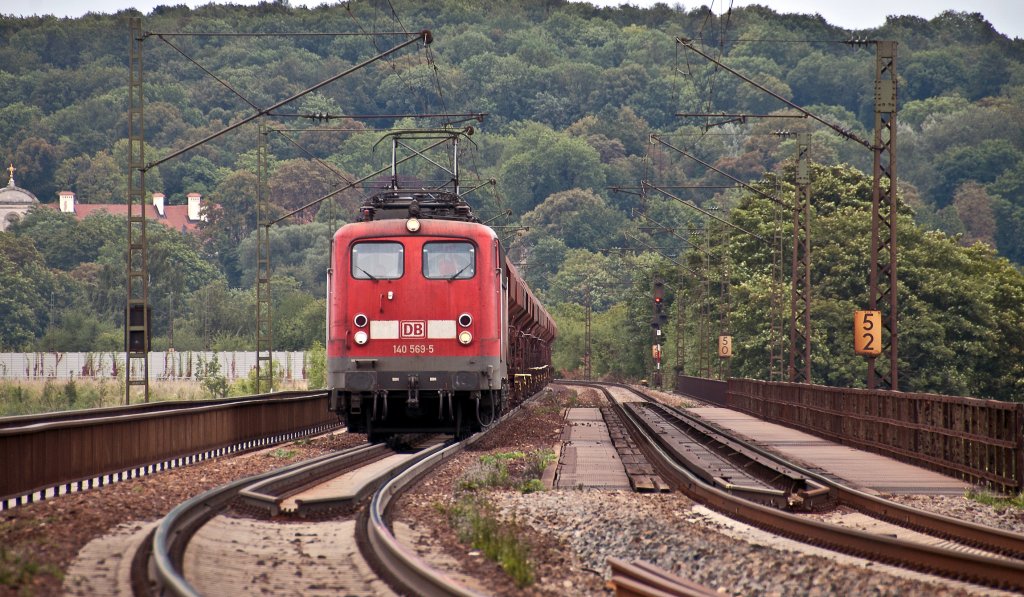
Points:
(414, 348)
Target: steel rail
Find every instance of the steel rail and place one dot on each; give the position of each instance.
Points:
(778, 484)
(1000, 541)
(989, 571)
(404, 567)
(172, 535)
(708, 451)
(642, 579)
(269, 493)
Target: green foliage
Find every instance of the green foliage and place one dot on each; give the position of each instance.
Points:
(985, 163)
(27, 287)
(475, 522)
(473, 516)
(211, 378)
(541, 162)
(282, 454)
(508, 470)
(316, 366)
(960, 322)
(52, 396)
(999, 502)
(579, 218)
(251, 386)
(17, 570)
(572, 94)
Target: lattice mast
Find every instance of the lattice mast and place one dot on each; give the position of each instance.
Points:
(800, 278)
(264, 321)
(883, 295)
(137, 319)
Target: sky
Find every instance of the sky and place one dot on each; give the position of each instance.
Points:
(1007, 16)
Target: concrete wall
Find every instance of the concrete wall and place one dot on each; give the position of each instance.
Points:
(186, 365)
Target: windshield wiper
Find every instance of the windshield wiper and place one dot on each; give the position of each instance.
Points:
(459, 273)
(368, 274)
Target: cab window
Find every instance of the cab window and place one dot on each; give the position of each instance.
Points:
(449, 261)
(378, 261)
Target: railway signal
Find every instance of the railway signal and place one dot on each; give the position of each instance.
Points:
(660, 317)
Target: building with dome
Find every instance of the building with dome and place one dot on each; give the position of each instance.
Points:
(14, 201)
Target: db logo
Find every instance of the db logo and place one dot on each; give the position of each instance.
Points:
(414, 329)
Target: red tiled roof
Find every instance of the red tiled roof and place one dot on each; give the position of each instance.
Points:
(175, 216)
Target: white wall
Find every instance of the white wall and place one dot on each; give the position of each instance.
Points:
(162, 365)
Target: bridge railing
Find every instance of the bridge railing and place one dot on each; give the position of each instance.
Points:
(42, 455)
(979, 441)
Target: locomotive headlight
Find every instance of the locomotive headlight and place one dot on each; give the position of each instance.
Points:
(361, 337)
(465, 337)
(360, 320)
(465, 320)
(412, 225)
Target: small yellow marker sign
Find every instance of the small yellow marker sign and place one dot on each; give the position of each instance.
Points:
(867, 333)
(725, 347)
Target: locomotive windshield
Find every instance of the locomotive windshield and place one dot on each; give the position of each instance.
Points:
(378, 261)
(449, 261)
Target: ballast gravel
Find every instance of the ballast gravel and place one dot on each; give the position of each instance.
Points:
(573, 532)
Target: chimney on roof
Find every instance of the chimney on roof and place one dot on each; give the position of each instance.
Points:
(67, 201)
(193, 207)
(158, 204)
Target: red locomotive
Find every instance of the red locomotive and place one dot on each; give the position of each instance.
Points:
(430, 326)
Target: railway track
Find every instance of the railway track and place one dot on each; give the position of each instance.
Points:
(158, 569)
(274, 543)
(169, 548)
(977, 554)
(722, 462)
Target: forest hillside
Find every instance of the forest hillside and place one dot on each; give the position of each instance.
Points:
(564, 99)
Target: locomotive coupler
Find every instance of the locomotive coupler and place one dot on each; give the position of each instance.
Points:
(413, 403)
(382, 395)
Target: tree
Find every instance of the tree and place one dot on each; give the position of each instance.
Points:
(579, 218)
(916, 112)
(231, 220)
(94, 179)
(584, 272)
(974, 206)
(80, 330)
(37, 159)
(64, 242)
(929, 73)
(19, 120)
(26, 288)
(821, 78)
(295, 183)
(954, 305)
(984, 163)
(543, 162)
(544, 257)
(300, 252)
